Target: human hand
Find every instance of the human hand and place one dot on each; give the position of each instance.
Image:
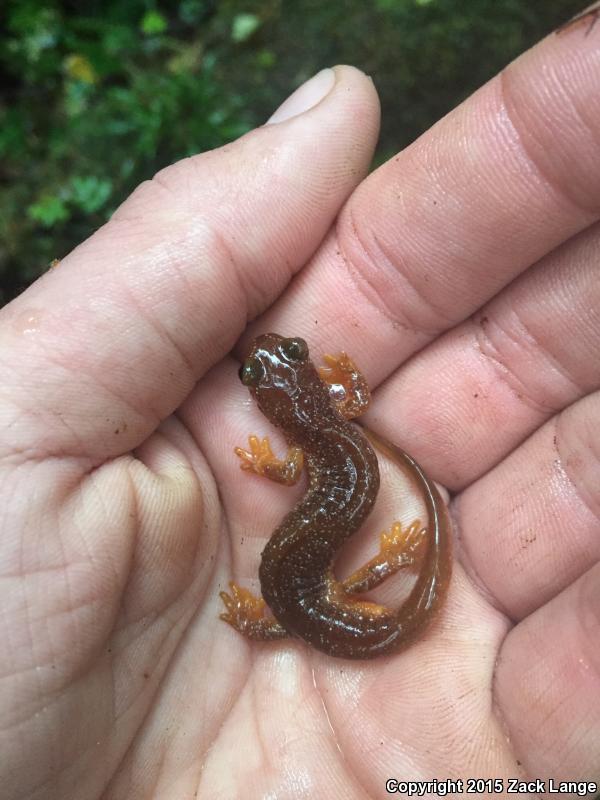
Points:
(125, 511)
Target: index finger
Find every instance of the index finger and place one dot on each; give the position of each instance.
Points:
(447, 223)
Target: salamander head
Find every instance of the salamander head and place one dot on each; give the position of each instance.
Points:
(285, 383)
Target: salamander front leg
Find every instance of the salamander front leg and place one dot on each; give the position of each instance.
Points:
(246, 613)
(261, 460)
(347, 385)
(401, 547)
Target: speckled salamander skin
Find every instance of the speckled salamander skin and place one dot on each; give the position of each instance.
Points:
(296, 569)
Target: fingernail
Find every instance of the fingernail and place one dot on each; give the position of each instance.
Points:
(305, 97)
(589, 16)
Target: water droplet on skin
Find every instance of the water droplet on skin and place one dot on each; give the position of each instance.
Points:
(27, 322)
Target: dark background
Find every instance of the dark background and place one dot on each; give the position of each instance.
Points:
(98, 96)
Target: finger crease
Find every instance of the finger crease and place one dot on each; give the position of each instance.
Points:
(361, 277)
(491, 353)
(551, 182)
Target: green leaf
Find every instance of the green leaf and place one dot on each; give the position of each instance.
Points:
(117, 38)
(76, 97)
(153, 23)
(243, 26)
(266, 58)
(90, 193)
(48, 210)
(13, 136)
(191, 10)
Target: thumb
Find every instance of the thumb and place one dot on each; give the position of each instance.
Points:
(114, 338)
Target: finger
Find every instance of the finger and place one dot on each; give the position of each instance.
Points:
(529, 528)
(547, 685)
(480, 389)
(450, 221)
(101, 348)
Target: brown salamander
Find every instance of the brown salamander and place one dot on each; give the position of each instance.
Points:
(313, 409)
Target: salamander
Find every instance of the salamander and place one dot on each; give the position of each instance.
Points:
(313, 408)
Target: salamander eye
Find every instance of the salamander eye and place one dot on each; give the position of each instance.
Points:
(251, 372)
(294, 349)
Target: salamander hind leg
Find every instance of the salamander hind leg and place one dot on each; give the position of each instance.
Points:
(399, 548)
(246, 613)
(347, 385)
(261, 460)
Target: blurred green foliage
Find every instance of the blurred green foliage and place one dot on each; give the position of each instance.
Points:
(98, 96)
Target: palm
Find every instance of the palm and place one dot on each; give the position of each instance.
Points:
(119, 676)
